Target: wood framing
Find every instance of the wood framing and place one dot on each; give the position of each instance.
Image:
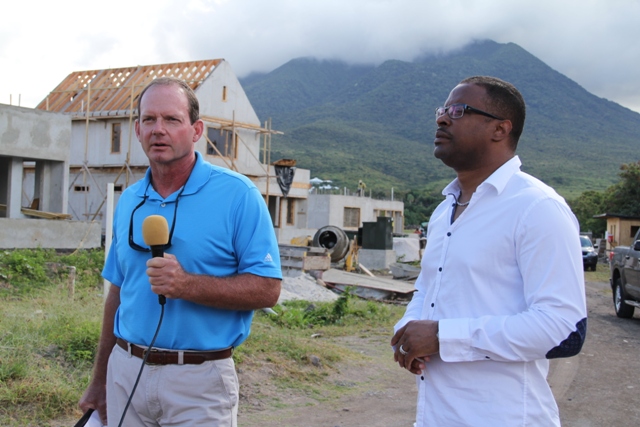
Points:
(113, 92)
(99, 100)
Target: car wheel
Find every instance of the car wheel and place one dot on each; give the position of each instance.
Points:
(593, 267)
(623, 310)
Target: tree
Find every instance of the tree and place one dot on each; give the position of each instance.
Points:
(419, 205)
(623, 198)
(587, 205)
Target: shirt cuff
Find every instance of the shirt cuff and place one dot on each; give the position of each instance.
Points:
(455, 341)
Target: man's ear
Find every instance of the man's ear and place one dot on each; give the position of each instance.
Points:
(199, 130)
(136, 127)
(502, 130)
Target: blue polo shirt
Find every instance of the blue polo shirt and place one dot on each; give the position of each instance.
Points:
(222, 228)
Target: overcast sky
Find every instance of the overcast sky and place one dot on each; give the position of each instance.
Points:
(594, 42)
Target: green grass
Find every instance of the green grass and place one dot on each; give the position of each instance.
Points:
(47, 345)
(25, 271)
(288, 341)
(48, 337)
(600, 275)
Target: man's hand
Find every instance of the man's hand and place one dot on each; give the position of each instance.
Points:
(414, 343)
(236, 292)
(166, 276)
(95, 397)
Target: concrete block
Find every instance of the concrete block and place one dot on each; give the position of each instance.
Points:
(407, 248)
(376, 259)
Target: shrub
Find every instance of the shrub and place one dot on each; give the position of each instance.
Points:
(24, 270)
(24, 266)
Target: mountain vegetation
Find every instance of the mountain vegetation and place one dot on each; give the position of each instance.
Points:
(376, 122)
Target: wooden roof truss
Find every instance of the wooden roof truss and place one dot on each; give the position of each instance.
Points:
(111, 93)
(114, 92)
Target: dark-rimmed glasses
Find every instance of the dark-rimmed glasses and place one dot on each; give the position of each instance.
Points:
(133, 245)
(456, 111)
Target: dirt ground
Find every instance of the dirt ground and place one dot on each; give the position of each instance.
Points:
(599, 387)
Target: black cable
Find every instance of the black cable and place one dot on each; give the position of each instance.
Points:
(85, 418)
(144, 361)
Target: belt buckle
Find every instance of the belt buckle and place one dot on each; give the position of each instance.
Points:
(150, 351)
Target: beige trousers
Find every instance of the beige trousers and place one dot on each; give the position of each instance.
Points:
(171, 395)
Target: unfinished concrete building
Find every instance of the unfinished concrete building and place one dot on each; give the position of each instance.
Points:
(69, 173)
(349, 212)
(104, 149)
(33, 213)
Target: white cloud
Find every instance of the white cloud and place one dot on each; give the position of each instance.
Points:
(594, 42)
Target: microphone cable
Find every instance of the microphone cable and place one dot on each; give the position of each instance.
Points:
(162, 301)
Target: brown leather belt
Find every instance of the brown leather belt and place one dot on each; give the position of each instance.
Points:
(160, 357)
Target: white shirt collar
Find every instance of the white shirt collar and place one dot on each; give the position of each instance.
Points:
(497, 179)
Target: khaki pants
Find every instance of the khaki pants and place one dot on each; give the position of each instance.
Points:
(171, 395)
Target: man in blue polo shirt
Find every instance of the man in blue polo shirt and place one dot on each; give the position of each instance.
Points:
(221, 263)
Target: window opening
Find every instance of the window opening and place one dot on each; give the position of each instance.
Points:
(115, 137)
(351, 217)
(291, 206)
(222, 141)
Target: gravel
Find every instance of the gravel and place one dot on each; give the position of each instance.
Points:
(305, 287)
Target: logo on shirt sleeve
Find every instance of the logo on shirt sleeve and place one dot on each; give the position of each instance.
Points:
(268, 258)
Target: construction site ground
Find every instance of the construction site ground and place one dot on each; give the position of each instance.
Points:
(599, 387)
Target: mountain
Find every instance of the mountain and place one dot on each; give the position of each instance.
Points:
(376, 123)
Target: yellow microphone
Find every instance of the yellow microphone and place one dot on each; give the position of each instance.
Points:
(155, 232)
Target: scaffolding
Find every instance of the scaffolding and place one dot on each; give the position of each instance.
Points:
(113, 93)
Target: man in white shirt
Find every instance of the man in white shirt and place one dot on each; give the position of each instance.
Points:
(502, 287)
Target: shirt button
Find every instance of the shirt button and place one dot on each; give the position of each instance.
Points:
(163, 205)
(432, 304)
(448, 234)
(440, 269)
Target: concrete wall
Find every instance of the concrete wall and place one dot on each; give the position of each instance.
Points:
(222, 96)
(92, 141)
(34, 134)
(50, 234)
(210, 96)
(288, 235)
(38, 141)
(299, 187)
(328, 209)
(376, 259)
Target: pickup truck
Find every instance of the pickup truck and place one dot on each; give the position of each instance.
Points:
(625, 278)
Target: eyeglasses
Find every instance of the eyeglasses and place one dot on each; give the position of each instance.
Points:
(456, 111)
(133, 245)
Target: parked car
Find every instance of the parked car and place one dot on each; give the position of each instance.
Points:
(589, 254)
(625, 278)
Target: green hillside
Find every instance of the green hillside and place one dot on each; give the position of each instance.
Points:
(376, 123)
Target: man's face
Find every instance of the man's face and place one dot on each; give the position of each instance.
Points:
(163, 127)
(462, 144)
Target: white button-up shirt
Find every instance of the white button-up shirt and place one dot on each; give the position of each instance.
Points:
(506, 283)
